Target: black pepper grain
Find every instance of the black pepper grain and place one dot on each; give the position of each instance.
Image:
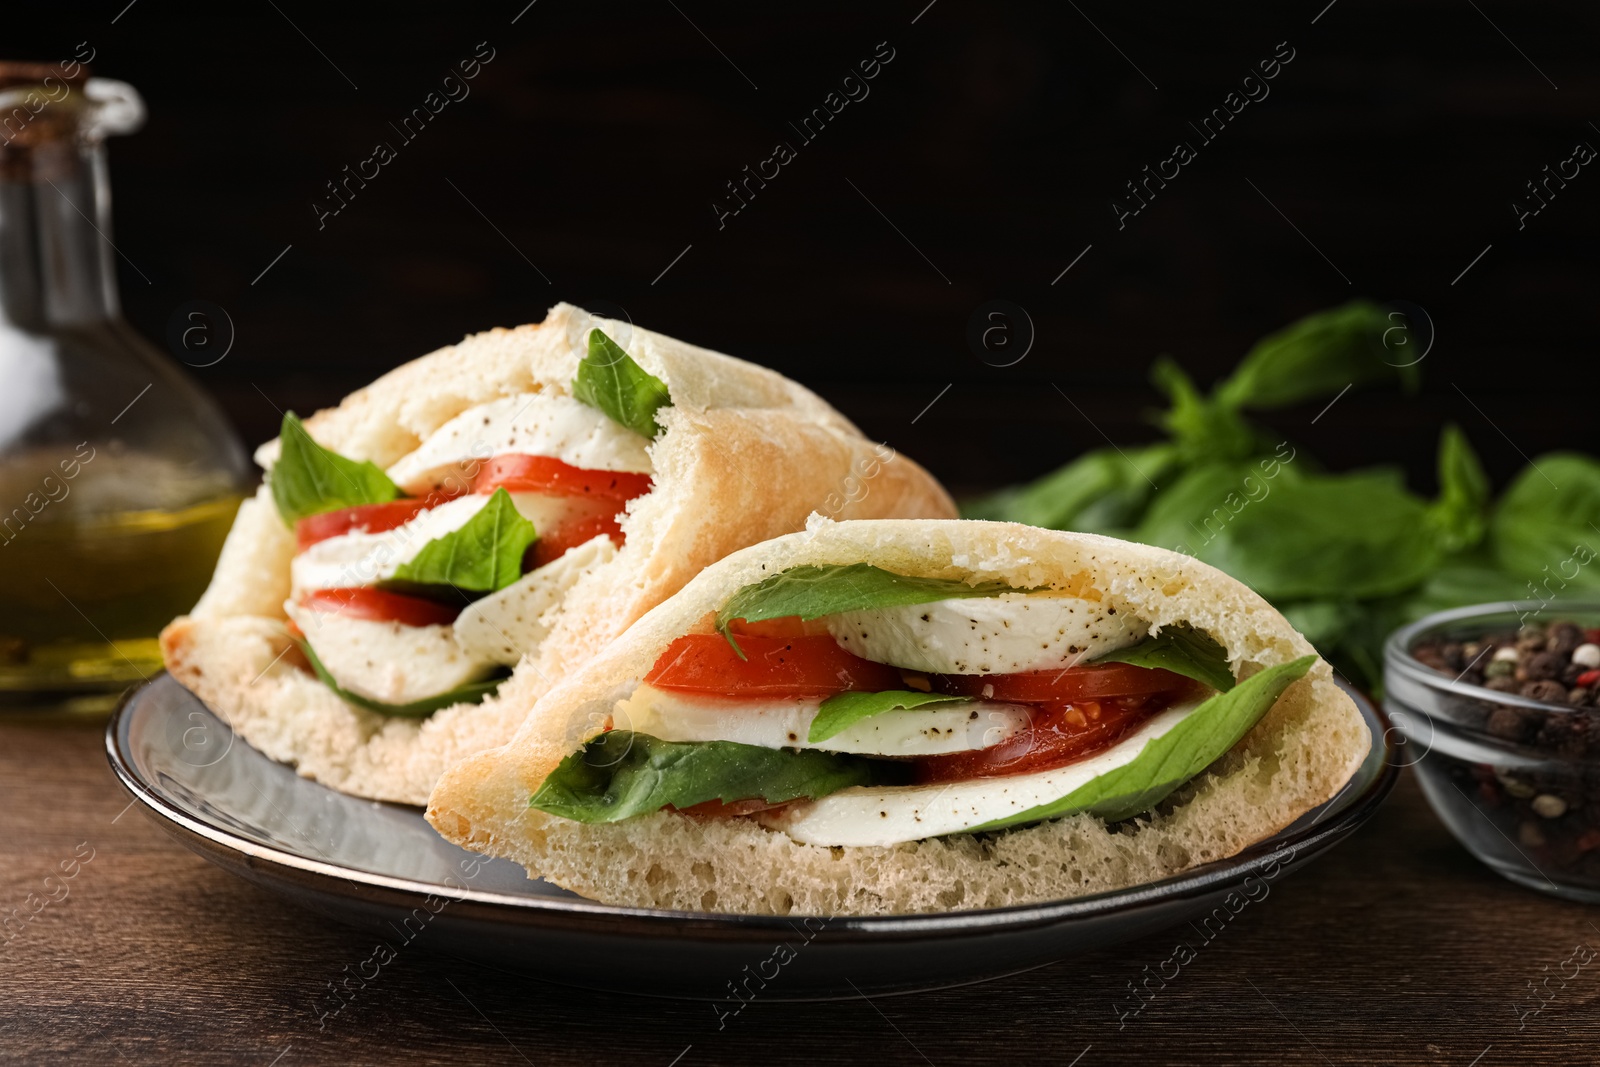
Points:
(1541, 666)
(1550, 692)
(1573, 735)
(1563, 637)
(1508, 723)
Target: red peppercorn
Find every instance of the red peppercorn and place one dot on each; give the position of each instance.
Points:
(1589, 677)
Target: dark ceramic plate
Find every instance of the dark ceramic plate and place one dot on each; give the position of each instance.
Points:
(382, 868)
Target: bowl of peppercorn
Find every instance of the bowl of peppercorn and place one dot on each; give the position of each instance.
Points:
(1499, 708)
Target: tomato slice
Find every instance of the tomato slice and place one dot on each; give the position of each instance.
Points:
(786, 626)
(569, 535)
(544, 474)
(1098, 682)
(365, 602)
(716, 809)
(776, 667)
(1060, 734)
(368, 518)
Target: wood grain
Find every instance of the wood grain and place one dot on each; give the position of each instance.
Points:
(1395, 948)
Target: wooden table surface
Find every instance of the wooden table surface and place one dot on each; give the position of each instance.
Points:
(1397, 947)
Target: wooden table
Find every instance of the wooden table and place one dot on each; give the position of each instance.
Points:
(1395, 948)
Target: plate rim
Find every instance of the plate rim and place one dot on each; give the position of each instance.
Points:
(1196, 881)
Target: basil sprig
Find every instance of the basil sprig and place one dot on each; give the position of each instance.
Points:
(812, 592)
(309, 479)
(1347, 557)
(1182, 649)
(1168, 761)
(610, 380)
(843, 710)
(483, 556)
(620, 774)
(472, 693)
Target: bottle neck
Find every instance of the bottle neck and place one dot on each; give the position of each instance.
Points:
(56, 267)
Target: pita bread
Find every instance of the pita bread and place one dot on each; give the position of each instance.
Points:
(1298, 756)
(746, 455)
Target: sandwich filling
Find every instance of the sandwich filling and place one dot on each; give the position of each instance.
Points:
(420, 586)
(849, 705)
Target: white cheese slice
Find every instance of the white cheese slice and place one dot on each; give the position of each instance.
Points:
(364, 558)
(534, 424)
(987, 635)
(931, 730)
(387, 661)
(889, 815)
(505, 626)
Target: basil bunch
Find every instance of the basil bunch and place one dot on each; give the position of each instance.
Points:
(1347, 557)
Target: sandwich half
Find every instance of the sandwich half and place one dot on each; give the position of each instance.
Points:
(428, 558)
(876, 717)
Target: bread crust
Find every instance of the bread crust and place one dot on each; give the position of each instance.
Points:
(1298, 756)
(746, 455)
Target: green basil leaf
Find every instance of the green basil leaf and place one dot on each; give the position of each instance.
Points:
(1321, 355)
(483, 556)
(1182, 649)
(1195, 505)
(309, 479)
(812, 592)
(620, 774)
(610, 380)
(1202, 429)
(1104, 491)
(1544, 530)
(1460, 513)
(1468, 578)
(843, 710)
(1309, 537)
(1168, 761)
(473, 693)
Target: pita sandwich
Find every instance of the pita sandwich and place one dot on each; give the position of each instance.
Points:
(431, 556)
(890, 716)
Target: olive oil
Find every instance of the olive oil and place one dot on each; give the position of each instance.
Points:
(82, 598)
(119, 477)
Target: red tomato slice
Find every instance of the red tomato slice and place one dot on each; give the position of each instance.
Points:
(775, 667)
(365, 602)
(716, 809)
(1060, 734)
(569, 535)
(787, 626)
(544, 474)
(369, 518)
(1057, 686)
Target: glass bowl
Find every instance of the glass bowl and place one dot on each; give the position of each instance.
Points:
(1517, 780)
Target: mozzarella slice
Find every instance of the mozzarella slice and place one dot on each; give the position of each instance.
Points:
(932, 730)
(507, 625)
(387, 661)
(534, 424)
(987, 635)
(364, 558)
(889, 815)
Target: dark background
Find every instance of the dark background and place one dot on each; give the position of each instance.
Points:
(593, 144)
